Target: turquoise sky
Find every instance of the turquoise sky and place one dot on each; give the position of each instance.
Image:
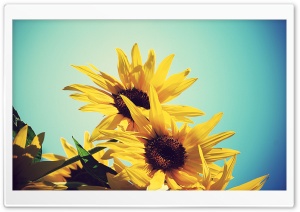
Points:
(240, 66)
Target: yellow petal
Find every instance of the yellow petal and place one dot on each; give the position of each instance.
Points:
(138, 117)
(98, 79)
(130, 157)
(20, 138)
(168, 95)
(121, 147)
(255, 184)
(219, 154)
(184, 179)
(201, 131)
(205, 172)
(156, 116)
(171, 181)
(226, 176)
(87, 145)
(51, 156)
(213, 140)
(35, 145)
(91, 93)
(68, 148)
(138, 175)
(123, 68)
(162, 71)
(136, 56)
(123, 125)
(118, 182)
(106, 109)
(110, 78)
(137, 77)
(171, 84)
(108, 123)
(148, 70)
(181, 110)
(157, 180)
(125, 137)
(118, 165)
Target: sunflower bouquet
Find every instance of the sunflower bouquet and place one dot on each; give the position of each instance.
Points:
(142, 143)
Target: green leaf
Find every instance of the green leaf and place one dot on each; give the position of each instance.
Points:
(92, 166)
(18, 124)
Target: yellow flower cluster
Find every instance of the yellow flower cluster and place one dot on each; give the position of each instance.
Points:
(149, 151)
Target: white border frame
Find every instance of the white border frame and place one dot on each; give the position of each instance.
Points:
(146, 198)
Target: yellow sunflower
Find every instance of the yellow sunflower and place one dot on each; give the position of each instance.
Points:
(220, 181)
(25, 170)
(135, 80)
(159, 154)
(74, 171)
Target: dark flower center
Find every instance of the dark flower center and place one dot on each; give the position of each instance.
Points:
(139, 98)
(165, 153)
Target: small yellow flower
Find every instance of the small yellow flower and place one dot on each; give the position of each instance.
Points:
(159, 154)
(135, 81)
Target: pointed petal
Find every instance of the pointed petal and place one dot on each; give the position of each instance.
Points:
(201, 131)
(172, 84)
(110, 78)
(138, 117)
(226, 176)
(136, 56)
(156, 116)
(157, 180)
(87, 145)
(162, 71)
(20, 138)
(118, 165)
(171, 182)
(184, 179)
(138, 176)
(118, 182)
(35, 145)
(205, 172)
(174, 128)
(255, 184)
(51, 156)
(68, 148)
(108, 123)
(169, 94)
(125, 137)
(149, 68)
(98, 79)
(213, 140)
(219, 154)
(123, 68)
(101, 108)
(182, 110)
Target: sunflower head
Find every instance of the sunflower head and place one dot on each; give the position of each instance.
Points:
(134, 84)
(161, 153)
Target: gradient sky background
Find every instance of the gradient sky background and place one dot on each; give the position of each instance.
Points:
(240, 66)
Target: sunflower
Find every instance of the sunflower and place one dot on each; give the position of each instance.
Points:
(158, 154)
(135, 80)
(76, 176)
(25, 169)
(73, 172)
(220, 181)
